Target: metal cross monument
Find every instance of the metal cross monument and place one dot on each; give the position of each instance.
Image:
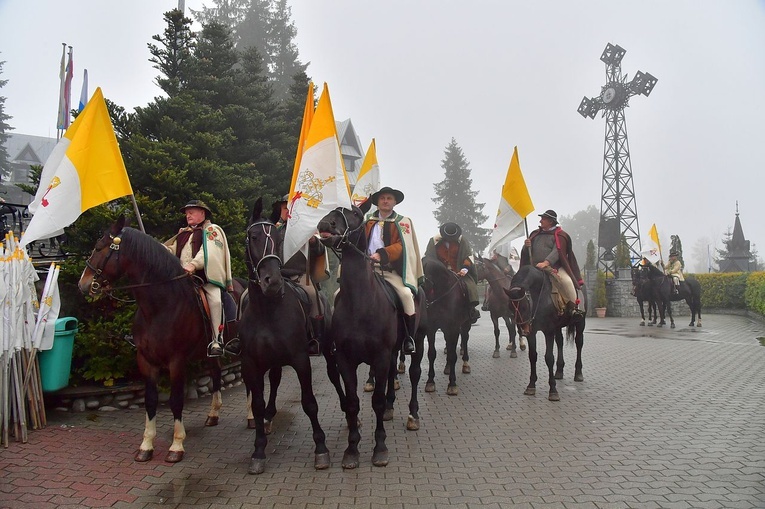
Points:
(618, 210)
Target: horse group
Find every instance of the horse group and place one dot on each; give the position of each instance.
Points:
(171, 329)
(655, 288)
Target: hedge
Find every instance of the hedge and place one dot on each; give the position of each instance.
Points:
(736, 290)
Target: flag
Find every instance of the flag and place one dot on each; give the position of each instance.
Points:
(62, 86)
(652, 249)
(84, 93)
(308, 111)
(514, 205)
(85, 169)
(368, 182)
(320, 184)
(65, 101)
(50, 306)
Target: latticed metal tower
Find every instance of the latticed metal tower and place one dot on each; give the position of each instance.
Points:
(618, 210)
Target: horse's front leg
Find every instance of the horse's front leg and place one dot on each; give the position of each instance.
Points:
(560, 361)
(390, 387)
(451, 361)
(531, 389)
(550, 339)
(216, 404)
(415, 373)
(383, 378)
(177, 394)
(511, 338)
(333, 374)
(151, 400)
(311, 409)
(671, 318)
(350, 380)
(465, 338)
(256, 385)
(495, 322)
(579, 340)
(274, 379)
(430, 384)
(642, 313)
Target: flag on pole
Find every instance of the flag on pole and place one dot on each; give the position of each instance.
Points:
(62, 85)
(65, 101)
(308, 111)
(85, 169)
(84, 93)
(652, 249)
(321, 184)
(368, 182)
(514, 205)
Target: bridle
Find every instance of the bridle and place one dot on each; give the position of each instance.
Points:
(269, 249)
(345, 239)
(445, 292)
(515, 303)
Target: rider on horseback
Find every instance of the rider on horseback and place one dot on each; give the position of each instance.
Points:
(455, 252)
(202, 249)
(549, 249)
(392, 243)
(503, 263)
(295, 270)
(674, 269)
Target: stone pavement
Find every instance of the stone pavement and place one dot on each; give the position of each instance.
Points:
(664, 419)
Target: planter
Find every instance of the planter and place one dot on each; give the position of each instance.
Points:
(600, 312)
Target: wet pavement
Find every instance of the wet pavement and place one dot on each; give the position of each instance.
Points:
(664, 419)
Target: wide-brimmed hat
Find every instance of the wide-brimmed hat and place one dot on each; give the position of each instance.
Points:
(450, 230)
(198, 204)
(395, 192)
(673, 253)
(550, 214)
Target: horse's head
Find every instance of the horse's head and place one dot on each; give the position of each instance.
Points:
(103, 266)
(339, 224)
(262, 247)
(526, 285)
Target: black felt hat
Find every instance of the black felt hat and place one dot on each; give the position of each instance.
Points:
(450, 231)
(198, 204)
(550, 214)
(395, 192)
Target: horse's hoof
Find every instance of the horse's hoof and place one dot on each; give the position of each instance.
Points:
(509, 347)
(447, 370)
(412, 423)
(257, 466)
(523, 343)
(321, 461)
(578, 377)
(672, 326)
(642, 324)
(465, 368)
(350, 460)
(698, 324)
(251, 424)
(388, 414)
(401, 367)
(142, 456)
(495, 355)
(530, 391)
(396, 385)
(267, 427)
(452, 390)
(553, 396)
(211, 420)
(174, 456)
(559, 375)
(513, 354)
(380, 459)
(651, 324)
(430, 387)
(369, 387)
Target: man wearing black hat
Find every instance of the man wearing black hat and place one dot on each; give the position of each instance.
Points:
(202, 248)
(549, 249)
(455, 252)
(674, 269)
(392, 243)
(296, 268)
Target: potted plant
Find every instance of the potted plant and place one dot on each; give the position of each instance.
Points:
(599, 295)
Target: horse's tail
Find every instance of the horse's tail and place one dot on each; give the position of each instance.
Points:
(571, 333)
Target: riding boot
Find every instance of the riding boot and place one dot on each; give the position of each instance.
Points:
(316, 332)
(408, 347)
(474, 314)
(214, 349)
(231, 338)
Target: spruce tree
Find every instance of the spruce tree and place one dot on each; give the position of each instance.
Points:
(455, 199)
(5, 162)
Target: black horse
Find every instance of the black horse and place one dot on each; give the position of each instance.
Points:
(274, 334)
(170, 328)
(448, 311)
(366, 328)
(644, 294)
(498, 303)
(662, 288)
(534, 311)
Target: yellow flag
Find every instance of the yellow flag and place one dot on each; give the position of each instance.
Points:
(654, 234)
(304, 127)
(514, 205)
(368, 182)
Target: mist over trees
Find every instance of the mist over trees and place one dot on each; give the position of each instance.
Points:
(455, 199)
(582, 226)
(5, 163)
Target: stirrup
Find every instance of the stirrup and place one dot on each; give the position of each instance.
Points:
(234, 347)
(408, 347)
(214, 349)
(314, 347)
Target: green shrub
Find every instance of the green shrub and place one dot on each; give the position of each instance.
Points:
(599, 292)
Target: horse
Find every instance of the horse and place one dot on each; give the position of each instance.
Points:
(534, 311)
(274, 334)
(662, 289)
(498, 304)
(366, 328)
(643, 293)
(170, 329)
(449, 311)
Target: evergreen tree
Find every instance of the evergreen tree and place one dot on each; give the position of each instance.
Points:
(582, 227)
(230, 13)
(455, 200)
(285, 61)
(173, 58)
(591, 260)
(5, 162)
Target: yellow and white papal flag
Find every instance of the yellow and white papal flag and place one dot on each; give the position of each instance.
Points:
(652, 248)
(84, 170)
(320, 184)
(514, 205)
(368, 182)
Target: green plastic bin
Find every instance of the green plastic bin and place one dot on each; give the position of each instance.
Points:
(56, 363)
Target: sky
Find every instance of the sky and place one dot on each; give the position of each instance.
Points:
(490, 74)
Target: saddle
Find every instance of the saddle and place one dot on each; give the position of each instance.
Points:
(230, 327)
(389, 292)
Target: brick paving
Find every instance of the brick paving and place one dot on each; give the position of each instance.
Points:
(664, 419)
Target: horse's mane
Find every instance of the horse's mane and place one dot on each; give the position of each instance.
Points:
(653, 270)
(159, 262)
(527, 276)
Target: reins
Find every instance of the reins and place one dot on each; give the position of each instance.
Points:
(533, 304)
(266, 254)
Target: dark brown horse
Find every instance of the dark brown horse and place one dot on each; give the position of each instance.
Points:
(498, 303)
(449, 312)
(662, 288)
(170, 328)
(534, 311)
(641, 287)
(274, 333)
(366, 328)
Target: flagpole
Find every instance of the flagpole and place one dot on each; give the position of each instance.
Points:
(526, 226)
(137, 213)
